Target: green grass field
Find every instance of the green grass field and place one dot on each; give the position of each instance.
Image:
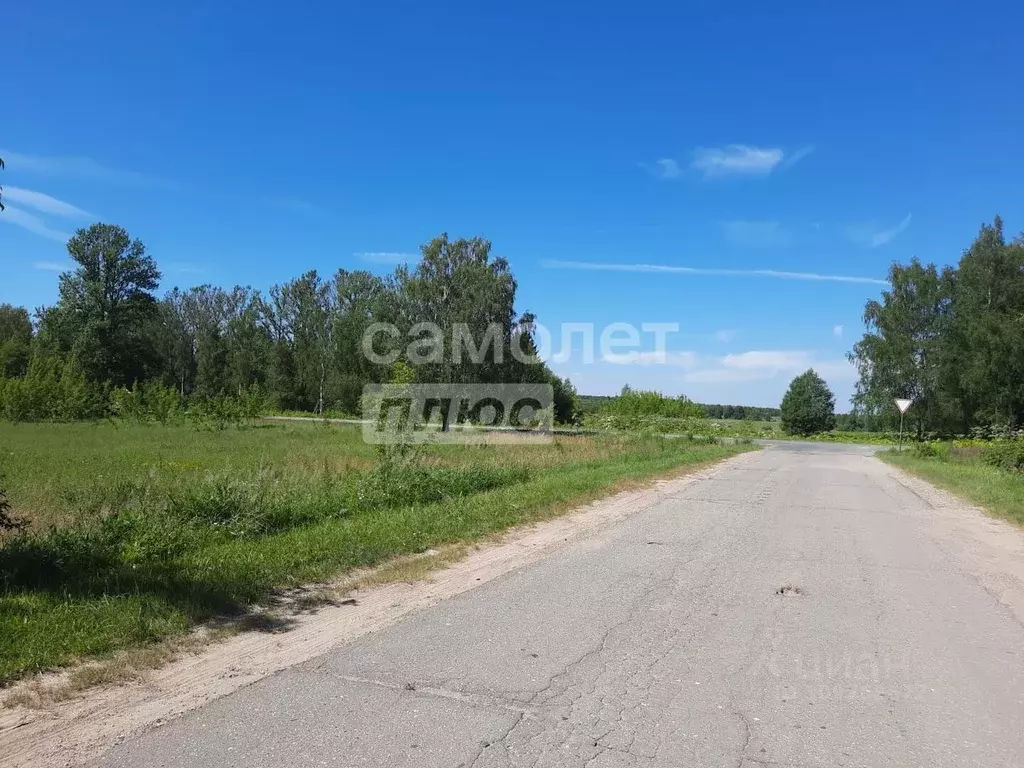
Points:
(999, 492)
(139, 532)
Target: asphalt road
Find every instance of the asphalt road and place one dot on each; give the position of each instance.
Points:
(665, 641)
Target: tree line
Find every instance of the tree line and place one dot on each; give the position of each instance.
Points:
(950, 339)
(299, 345)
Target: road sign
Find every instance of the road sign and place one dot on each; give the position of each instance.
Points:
(903, 404)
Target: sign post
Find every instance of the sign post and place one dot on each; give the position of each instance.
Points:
(903, 404)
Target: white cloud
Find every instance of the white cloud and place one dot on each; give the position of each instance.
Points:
(680, 359)
(873, 236)
(756, 234)
(797, 156)
(75, 167)
(723, 376)
(44, 203)
(387, 257)
(736, 160)
(51, 266)
(768, 359)
(710, 271)
(32, 223)
(837, 331)
(759, 365)
(725, 335)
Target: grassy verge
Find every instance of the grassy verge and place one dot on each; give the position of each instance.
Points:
(999, 492)
(140, 533)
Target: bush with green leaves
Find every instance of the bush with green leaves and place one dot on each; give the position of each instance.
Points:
(648, 412)
(53, 389)
(1007, 455)
(808, 406)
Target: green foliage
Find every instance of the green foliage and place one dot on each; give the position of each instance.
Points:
(15, 341)
(51, 390)
(106, 307)
(147, 402)
(808, 407)
(566, 401)
(300, 345)
(952, 340)
(740, 412)
(864, 438)
(648, 412)
(1007, 455)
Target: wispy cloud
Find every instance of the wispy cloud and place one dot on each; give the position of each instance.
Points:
(387, 257)
(710, 271)
(725, 335)
(75, 167)
(873, 235)
(680, 359)
(736, 160)
(789, 360)
(51, 266)
(665, 168)
(837, 331)
(795, 157)
(758, 365)
(31, 222)
(44, 203)
(756, 234)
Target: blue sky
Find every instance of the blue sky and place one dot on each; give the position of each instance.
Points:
(743, 147)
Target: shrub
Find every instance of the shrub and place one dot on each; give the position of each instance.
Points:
(218, 412)
(1007, 455)
(650, 413)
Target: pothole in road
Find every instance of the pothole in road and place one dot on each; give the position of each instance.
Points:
(789, 590)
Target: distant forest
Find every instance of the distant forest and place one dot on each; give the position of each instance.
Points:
(590, 403)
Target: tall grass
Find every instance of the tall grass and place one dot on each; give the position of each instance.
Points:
(965, 473)
(138, 533)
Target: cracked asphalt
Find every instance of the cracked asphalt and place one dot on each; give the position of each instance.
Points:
(665, 641)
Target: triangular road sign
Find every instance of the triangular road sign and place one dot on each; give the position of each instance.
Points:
(902, 404)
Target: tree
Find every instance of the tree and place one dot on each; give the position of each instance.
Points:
(106, 308)
(808, 406)
(903, 352)
(458, 283)
(950, 340)
(15, 341)
(985, 340)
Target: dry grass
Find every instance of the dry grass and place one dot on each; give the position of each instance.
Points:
(47, 689)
